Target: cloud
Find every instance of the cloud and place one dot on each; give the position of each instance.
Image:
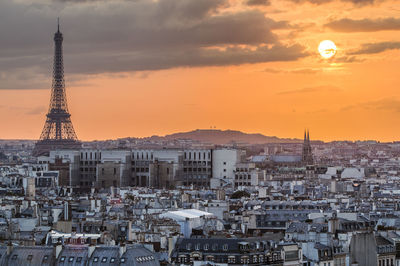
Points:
(345, 59)
(125, 36)
(36, 110)
(385, 104)
(324, 88)
(196, 57)
(375, 48)
(364, 25)
(258, 2)
(292, 71)
(355, 2)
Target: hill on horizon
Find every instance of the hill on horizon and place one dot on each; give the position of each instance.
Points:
(220, 137)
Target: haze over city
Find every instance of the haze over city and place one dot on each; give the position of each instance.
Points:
(143, 68)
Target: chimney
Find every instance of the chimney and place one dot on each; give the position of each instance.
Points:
(57, 249)
(9, 248)
(91, 249)
(130, 235)
(122, 249)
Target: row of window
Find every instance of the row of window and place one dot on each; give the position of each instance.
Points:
(142, 156)
(185, 170)
(233, 259)
(206, 246)
(385, 262)
(242, 177)
(204, 163)
(199, 155)
(242, 184)
(91, 155)
(95, 259)
(29, 257)
(196, 183)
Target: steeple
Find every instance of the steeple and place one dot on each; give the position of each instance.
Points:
(307, 157)
(58, 24)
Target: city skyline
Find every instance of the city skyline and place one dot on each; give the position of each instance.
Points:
(254, 66)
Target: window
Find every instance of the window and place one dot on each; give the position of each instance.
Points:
(78, 259)
(104, 259)
(206, 247)
(225, 247)
(70, 259)
(123, 260)
(189, 246)
(95, 259)
(197, 246)
(14, 257)
(29, 257)
(45, 258)
(62, 259)
(112, 260)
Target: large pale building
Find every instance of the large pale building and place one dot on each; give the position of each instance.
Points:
(163, 168)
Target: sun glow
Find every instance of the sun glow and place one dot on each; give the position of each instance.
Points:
(327, 49)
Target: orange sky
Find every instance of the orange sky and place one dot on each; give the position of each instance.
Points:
(350, 97)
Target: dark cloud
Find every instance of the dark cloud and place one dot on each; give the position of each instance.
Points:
(258, 2)
(375, 48)
(123, 36)
(197, 57)
(364, 25)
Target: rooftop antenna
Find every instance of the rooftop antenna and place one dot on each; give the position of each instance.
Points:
(58, 24)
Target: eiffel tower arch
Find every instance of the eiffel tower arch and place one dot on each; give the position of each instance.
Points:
(58, 131)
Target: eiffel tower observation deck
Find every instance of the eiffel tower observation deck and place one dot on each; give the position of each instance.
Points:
(58, 132)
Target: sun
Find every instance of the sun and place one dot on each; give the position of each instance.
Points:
(327, 49)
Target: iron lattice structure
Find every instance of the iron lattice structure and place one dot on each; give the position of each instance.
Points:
(58, 132)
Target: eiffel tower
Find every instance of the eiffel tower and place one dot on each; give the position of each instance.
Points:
(58, 132)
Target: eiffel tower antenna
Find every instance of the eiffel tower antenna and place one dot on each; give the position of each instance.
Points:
(58, 132)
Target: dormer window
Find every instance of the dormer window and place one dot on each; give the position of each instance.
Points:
(225, 247)
(206, 246)
(197, 246)
(189, 246)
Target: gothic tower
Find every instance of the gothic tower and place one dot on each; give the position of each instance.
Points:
(307, 157)
(58, 132)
